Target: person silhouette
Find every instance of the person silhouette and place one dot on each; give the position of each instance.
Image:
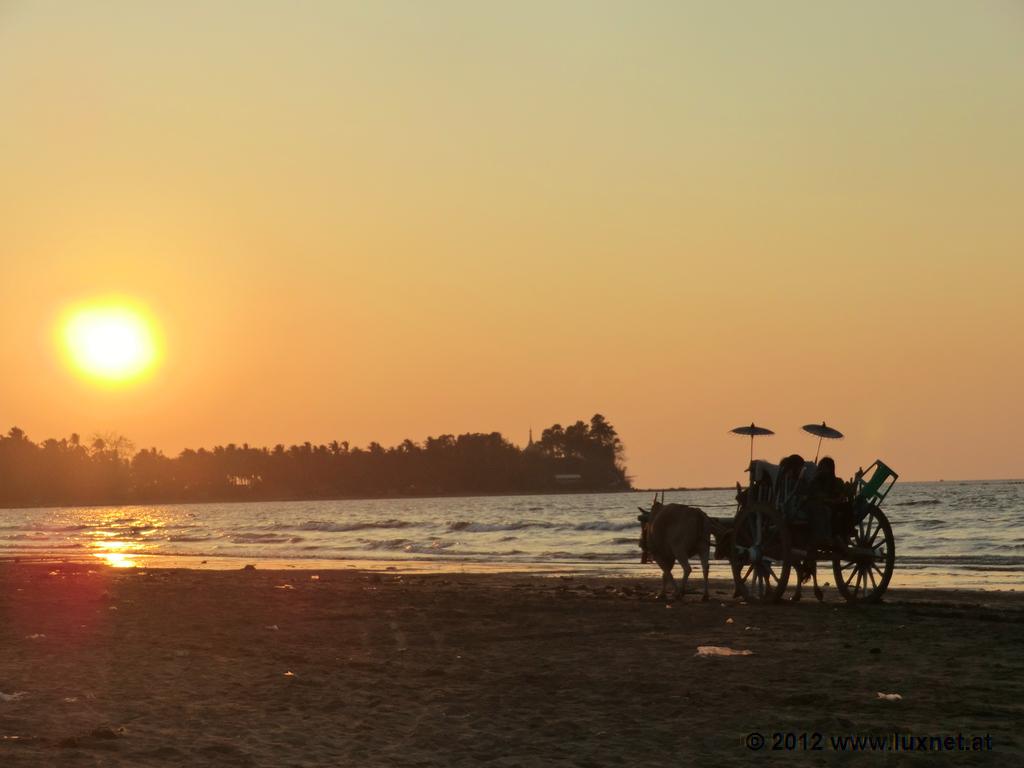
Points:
(825, 494)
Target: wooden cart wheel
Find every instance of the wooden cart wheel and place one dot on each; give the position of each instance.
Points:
(864, 569)
(761, 553)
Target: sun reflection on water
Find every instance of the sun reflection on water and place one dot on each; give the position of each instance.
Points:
(117, 559)
(111, 556)
(118, 539)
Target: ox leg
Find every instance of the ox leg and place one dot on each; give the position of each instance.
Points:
(704, 555)
(799, 581)
(666, 578)
(814, 578)
(686, 576)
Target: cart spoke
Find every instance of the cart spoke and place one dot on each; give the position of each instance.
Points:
(752, 529)
(849, 578)
(862, 573)
(873, 532)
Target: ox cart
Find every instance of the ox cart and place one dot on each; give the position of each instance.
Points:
(786, 524)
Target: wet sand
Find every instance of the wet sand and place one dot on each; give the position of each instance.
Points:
(132, 667)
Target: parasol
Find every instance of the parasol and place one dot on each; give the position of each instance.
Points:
(823, 432)
(753, 430)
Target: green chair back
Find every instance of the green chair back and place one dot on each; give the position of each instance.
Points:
(872, 489)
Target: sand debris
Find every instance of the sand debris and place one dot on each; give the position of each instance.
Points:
(284, 586)
(12, 696)
(36, 636)
(272, 627)
(102, 733)
(718, 650)
(889, 696)
(729, 620)
(107, 733)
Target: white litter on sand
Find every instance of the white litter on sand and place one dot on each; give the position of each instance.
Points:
(889, 696)
(717, 650)
(12, 696)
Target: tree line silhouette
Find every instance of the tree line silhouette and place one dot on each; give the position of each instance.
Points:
(107, 470)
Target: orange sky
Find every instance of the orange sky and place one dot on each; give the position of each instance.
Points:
(372, 221)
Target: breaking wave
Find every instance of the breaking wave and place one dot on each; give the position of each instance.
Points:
(329, 527)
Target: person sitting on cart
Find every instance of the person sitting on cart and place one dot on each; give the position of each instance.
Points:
(790, 469)
(825, 481)
(825, 499)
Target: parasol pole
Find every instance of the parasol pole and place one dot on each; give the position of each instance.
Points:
(753, 431)
(822, 431)
(820, 438)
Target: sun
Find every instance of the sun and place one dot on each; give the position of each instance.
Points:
(112, 342)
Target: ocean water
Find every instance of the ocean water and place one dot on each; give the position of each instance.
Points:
(968, 534)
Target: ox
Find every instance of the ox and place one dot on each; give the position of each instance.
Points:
(676, 532)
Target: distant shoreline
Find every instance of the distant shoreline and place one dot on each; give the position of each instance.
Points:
(681, 489)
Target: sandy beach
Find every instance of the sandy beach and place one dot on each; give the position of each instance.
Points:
(112, 667)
